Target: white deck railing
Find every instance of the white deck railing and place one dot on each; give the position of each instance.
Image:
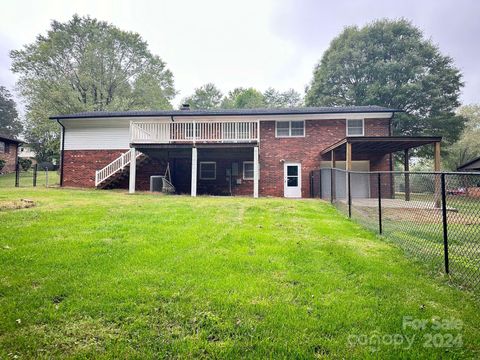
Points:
(142, 132)
(115, 166)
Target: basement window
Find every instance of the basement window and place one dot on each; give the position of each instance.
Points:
(248, 170)
(355, 127)
(208, 170)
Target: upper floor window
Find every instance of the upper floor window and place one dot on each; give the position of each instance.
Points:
(355, 127)
(2, 147)
(208, 170)
(290, 128)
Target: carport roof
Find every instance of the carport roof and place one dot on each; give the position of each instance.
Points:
(381, 144)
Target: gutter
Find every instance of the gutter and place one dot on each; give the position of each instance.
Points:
(62, 152)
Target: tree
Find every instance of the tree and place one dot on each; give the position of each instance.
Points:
(277, 99)
(86, 65)
(10, 125)
(207, 96)
(241, 98)
(390, 63)
(24, 163)
(468, 146)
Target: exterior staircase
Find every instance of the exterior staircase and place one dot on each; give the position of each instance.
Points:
(118, 169)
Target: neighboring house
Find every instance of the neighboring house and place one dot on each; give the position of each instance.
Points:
(8, 153)
(26, 152)
(473, 165)
(266, 152)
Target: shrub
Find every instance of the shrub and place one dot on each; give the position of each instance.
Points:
(2, 164)
(25, 164)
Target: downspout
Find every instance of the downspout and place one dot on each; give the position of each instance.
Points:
(62, 152)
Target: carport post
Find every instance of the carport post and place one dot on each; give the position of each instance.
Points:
(133, 170)
(193, 190)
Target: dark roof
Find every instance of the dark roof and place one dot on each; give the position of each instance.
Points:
(463, 166)
(9, 138)
(381, 144)
(218, 112)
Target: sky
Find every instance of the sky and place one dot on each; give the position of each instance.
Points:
(258, 43)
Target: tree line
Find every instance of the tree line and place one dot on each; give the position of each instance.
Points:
(90, 65)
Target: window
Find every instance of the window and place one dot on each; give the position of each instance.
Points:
(355, 127)
(290, 128)
(2, 147)
(208, 170)
(248, 170)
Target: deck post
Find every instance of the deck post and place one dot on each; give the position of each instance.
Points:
(255, 172)
(133, 170)
(406, 168)
(193, 190)
(437, 168)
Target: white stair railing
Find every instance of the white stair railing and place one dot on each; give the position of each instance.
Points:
(115, 166)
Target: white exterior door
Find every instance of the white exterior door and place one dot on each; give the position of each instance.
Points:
(292, 174)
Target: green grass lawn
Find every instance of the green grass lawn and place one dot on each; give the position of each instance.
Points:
(110, 275)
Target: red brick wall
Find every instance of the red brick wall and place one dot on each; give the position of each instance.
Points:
(79, 166)
(306, 150)
(10, 157)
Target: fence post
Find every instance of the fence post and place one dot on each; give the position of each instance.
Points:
(320, 193)
(349, 195)
(444, 221)
(17, 174)
(331, 185)
(46, 177)
(379, 190)
(35, 169)
(311, 184)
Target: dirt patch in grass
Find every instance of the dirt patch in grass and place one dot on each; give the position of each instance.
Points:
(80, 336)
(16, 204)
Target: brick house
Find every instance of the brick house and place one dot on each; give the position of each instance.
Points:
(9, 153)
(256, 152)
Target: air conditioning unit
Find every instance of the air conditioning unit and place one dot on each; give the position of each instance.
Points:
(156, 183)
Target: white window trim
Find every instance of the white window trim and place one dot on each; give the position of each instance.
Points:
(215, 171)
(289, 129)
(243, 174)
(363, 128)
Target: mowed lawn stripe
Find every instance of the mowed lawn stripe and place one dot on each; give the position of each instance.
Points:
(106, 274)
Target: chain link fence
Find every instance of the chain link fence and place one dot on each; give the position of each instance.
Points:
(433, 216)
(36, 175)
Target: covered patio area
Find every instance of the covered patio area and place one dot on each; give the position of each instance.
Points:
(203, 169)
(378, 151)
